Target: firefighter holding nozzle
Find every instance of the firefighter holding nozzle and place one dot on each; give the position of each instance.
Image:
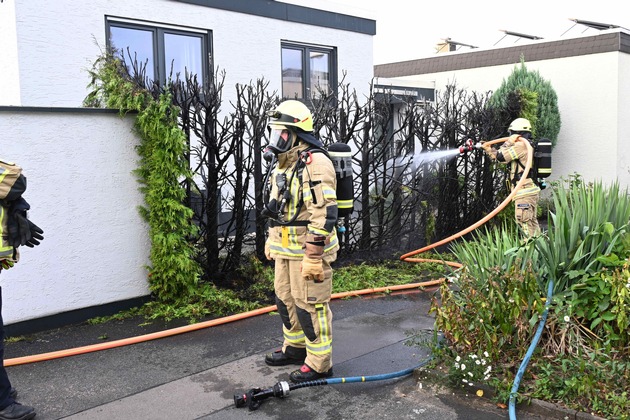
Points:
(514, 152)
(301, 203)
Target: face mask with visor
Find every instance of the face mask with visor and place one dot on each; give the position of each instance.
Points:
(280, 139)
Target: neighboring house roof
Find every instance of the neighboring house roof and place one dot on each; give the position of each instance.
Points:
(617, 40)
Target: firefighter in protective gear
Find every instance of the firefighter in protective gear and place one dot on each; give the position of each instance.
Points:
(514, 152)
(302, 210)
(15, 231)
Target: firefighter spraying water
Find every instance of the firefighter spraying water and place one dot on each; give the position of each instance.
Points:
(530, 163)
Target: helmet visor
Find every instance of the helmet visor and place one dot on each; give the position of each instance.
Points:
(280, 139)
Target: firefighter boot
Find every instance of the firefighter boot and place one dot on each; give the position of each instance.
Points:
(305, 373)
(290, 356)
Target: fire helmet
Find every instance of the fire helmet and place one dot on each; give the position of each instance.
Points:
(294, 114)
(520, 125)
(289, 120)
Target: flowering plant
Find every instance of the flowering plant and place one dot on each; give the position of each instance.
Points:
(471, 369)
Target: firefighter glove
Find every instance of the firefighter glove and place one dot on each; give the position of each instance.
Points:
(268, 251)
(312, 269)
(36, 235)
(22, 231)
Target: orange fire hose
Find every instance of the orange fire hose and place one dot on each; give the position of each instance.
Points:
(194, 327)
(214, 322)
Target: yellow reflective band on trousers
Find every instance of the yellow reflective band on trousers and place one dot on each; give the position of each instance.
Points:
(325, 343)
(297, 337)
(527, 191)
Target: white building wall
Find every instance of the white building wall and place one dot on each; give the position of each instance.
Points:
(623, 120)
(84, 196)
(79, 163)
(9, 74)
(588, 99)
(58, 42)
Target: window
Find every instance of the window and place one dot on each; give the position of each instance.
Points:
(166, 51)
(307, 70)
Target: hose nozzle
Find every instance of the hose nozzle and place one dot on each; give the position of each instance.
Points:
(467, 147)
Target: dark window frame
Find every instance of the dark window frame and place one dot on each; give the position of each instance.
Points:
(161, 68)
(306, 49)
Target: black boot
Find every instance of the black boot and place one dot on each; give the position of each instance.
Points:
(17, 411)
(291, 356)
(305, 373)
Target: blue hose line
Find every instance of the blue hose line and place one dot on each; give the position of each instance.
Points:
(530, 351)
(380, 377)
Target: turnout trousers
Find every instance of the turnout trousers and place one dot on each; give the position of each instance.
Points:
(305, 312)
(525, 209)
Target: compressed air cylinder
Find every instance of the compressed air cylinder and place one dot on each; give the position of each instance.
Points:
(542, 157)
(341, 156)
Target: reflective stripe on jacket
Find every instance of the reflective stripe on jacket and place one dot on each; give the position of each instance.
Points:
(515, 153)
(313, 199)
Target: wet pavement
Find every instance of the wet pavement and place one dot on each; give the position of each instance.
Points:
(195, 375)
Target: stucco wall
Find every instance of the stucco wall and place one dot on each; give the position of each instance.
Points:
(56, 45)
(590, 104)
(9, 80)
(84, 196)
(623, 119)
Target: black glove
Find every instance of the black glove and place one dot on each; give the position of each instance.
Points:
(36, 235)
(22, 231)
(19, 231)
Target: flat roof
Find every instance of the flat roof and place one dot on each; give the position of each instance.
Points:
(609, 41)
(292, 13)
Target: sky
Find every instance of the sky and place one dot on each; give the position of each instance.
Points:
(410, 29)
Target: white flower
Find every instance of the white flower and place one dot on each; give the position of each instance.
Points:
(477, 362)
(485, 378)
(463, 366)
(488, 369)
(465, 380)
(566, 318)
(457, 359)
(473, 356)
(485, 353)
(483, 362)
(456, 365)
(470, 374)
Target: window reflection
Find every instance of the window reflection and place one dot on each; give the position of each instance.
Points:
(134, 45)
(292, 71)
(308, 71)
(319, 73)
(165, 53)
(184, 54)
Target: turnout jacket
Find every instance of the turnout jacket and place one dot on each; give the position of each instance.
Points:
(515, 153)
(12, 186)
(312, 197)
